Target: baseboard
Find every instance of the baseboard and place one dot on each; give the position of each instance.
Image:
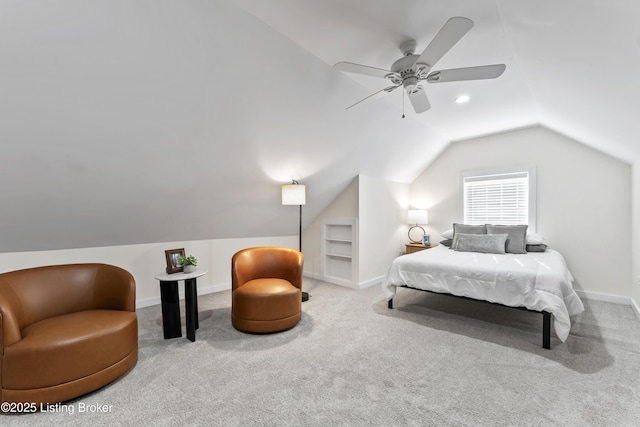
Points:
(148, 302)
(635, 307)
(312, 275)
(346, 284)
(372, 282)
(597, 296)
(332, 280)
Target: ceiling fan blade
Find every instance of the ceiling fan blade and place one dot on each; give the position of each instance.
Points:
(375, 94)
(452, 31)
(419, 100)
(350, 67)
(470, 73)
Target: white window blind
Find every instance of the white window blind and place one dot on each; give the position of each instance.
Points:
(496, 199)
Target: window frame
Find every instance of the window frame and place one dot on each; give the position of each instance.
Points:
(488, 172)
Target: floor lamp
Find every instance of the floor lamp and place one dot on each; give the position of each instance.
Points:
(294, 194)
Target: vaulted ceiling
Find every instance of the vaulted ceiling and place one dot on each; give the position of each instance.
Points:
(135, 121)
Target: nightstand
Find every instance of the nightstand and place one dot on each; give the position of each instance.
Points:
(417, 247)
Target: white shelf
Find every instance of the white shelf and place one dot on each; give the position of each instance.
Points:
(339, 252)
(338, 256)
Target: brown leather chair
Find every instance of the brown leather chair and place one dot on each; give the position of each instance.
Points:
(65, 330)
(266, 286)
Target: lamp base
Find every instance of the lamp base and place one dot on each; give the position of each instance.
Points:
(421, 237)
(305, 296)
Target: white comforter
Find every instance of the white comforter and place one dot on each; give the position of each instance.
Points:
(538, 281)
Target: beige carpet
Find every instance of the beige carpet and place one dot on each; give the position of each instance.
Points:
(433, 360)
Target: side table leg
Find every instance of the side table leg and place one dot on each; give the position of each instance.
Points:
(195, 300)
(191, 304)
(170, 309)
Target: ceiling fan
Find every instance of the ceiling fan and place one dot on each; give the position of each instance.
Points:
(412, 69)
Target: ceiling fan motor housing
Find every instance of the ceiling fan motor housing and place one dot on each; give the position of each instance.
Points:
(403, 71)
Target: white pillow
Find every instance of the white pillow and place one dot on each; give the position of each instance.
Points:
(448, 234)
(534, 239)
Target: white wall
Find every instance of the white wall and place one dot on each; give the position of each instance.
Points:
(343, 207)
(635, 227)
(583, 199)
(380, 207)
(146, 260)
(383, 229)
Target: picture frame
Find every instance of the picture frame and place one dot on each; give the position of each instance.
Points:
(426, 240)
(173, 264)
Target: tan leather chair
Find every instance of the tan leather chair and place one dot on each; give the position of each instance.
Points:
(65, 330)
(266, 285)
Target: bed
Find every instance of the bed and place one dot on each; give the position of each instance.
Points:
(535, 281)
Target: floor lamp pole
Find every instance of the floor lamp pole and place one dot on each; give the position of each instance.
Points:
(305, 295)
(300, 231)
(294, 194)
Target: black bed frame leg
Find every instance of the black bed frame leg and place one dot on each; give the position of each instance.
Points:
(390, 303)
(546, 330)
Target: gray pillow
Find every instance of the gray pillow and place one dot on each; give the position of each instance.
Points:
(540, 247)
(517, 240)
(469, 229)
(447, 242)
(485, 243)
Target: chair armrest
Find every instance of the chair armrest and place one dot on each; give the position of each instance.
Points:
(114, 289)
(294, 269)
(9, 320)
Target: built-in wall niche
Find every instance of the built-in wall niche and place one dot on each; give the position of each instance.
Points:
(339, 252)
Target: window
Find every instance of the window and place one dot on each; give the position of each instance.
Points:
(499, 197)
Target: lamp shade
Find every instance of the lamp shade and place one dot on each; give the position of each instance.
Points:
(293, 194)
(417, 216)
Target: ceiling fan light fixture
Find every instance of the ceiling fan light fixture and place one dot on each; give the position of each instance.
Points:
(462, 99)
(410, 83)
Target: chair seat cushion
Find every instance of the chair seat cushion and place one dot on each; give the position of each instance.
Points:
(65, 348)
(266, 299)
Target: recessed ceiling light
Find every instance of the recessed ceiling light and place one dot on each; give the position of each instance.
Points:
(462, 99)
